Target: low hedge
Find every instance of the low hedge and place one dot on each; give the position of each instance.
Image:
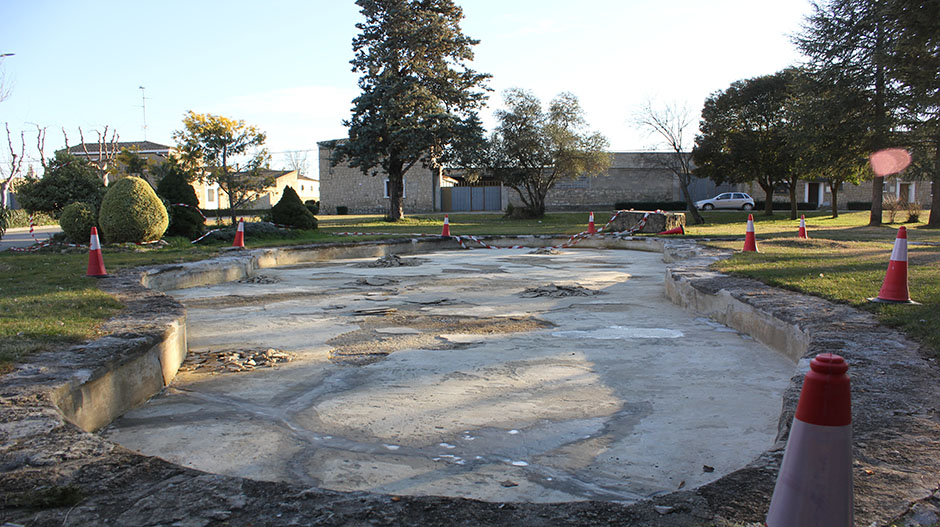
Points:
(785, 205)
(650, 205)
(859, 205)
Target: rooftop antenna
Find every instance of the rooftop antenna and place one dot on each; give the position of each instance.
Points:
(143, 105)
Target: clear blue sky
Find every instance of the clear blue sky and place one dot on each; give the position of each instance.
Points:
(283, 65)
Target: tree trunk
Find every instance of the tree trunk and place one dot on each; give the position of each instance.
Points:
(934, 220)
(4, 187)
(793, 198)
(877, 196)
(768, 198)
(834, 190)
(878, 184)
(395, 189)
(689, 204)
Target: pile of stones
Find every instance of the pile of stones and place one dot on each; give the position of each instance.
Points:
(233, 361)
(558, 291)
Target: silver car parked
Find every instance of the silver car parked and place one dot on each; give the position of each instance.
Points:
(727, 200)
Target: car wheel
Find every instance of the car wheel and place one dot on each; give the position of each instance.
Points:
(707, 206)
(748, 206)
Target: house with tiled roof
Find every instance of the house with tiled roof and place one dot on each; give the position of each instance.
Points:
(211, 197)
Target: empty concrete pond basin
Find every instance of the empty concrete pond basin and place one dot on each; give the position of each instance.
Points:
(499, 375)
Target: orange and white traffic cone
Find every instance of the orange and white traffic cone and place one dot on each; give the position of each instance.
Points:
(894, 289)
(814, 486)
(240, 235)
(446, 230)
(677, 230)
(591, 228)
(95, 260)
(802, 233)
(750, 242)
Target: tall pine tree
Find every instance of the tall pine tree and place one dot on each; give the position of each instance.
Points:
(914, 65)
(848, 43)
(419, 98)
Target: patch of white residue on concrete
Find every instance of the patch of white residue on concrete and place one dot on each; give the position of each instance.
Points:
(620, 332)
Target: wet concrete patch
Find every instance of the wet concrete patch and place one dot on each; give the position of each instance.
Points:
(455, 385)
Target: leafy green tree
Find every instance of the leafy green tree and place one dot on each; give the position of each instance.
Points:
(227, 152)
(419, 98)
(914, 65)
(174, 187)
(531, 150)
(848, 42)
(131, 163)
(66, 179)
(744, 135)
(828, 134)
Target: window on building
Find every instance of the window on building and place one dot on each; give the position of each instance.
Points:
(403, 193)
(210, 195)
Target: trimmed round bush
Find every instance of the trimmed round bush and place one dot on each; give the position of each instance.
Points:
(132, 212)
(185, 219)
(76, 221)
(291, 211)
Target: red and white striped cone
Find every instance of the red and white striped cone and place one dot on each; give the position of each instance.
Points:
(591, 228)
(446, 230)
(894, 289)
(95, 260)
(814, 487)
(750, 242)
(239, 235)
(802, 233)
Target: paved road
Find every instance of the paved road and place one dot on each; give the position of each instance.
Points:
(20, 237)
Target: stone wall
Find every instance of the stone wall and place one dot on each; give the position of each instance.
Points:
(345, 186)
(632, 177)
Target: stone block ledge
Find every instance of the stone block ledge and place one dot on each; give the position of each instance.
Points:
(54, 472)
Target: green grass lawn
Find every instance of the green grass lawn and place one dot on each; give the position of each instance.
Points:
(47, 302)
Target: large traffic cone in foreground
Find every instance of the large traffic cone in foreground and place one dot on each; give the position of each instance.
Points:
(814, 487)
(802, 232)
(239, 235)
(750, 242)
(894, 289)
(677, 230)
(95, 261)
(591, 229)
(446, 230)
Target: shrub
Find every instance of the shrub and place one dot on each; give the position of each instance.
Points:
(785, 205)
(185, 218)
(313, 206)
(76, 221)
(20, 218)
(291, 211)
(859, 205)
(913, 212)
(132, 212)
(342, 210)
(892, 205)
(67, 179)
(514, 212)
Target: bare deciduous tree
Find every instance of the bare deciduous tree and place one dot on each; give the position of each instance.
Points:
(672, 122)
(297, 160)
(41, 145)
(103, 158)
(12, 168)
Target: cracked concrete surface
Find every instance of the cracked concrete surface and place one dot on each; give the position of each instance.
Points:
(459, 385)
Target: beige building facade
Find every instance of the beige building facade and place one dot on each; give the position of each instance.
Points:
(211, 197)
